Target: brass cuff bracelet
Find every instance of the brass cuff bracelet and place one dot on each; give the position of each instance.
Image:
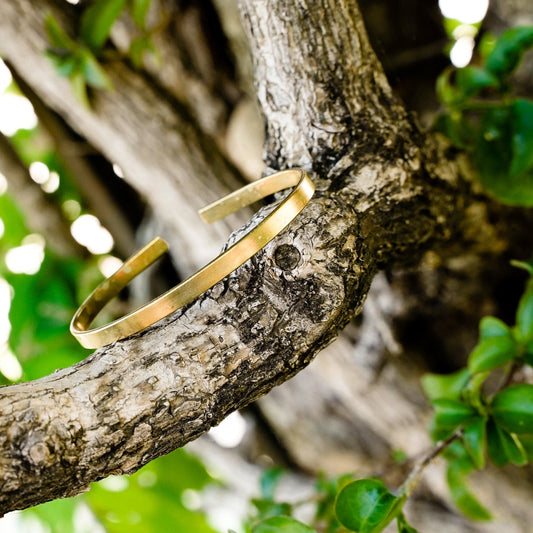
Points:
(205, 278)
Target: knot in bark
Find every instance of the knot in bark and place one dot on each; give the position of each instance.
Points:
(287, 256)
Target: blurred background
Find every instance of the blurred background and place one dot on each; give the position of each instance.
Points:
(101, 152)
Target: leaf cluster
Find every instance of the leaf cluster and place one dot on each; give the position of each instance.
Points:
(482, 117)
(78, 58)
(497, 425)
(342, 504)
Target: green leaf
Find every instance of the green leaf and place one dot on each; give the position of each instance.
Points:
(269, 481)
(94, 74)
(365, 506)
(524, 265)
(512, 408)
(79, 88)
(450, 414)
(456, 127)
(447, 93)
(471, 80)
(492, 352)
(486, 44)
(504, 447)
(522, 139)
(449, 386)
(472, 395)
(474, 439)
(139, 10)
(524, 316)
(493, 154)
(490, 326)
(267, 508)
(65, 66)
(403, 526)
(57, 35)
(97, 21)
(139, 47)
(461, 495)
(281, 524)
(507, 52)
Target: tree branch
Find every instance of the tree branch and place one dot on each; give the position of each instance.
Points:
(385, 192)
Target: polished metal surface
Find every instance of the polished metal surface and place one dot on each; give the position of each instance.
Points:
(206, 277)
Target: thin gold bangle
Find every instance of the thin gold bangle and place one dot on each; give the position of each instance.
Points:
(205, 278)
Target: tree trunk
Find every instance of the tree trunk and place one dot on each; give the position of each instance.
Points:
(386, 193)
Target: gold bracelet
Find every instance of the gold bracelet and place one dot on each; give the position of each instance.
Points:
(205, 278)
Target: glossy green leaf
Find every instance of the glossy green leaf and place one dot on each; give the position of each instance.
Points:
(269, 481)
(522, 140)
(524, 316)
(490, 326)
(450, 414)
(57, 35)
(365, 506)
(471, 80)
(512, 408)
(461, 495)
(504, 447)
(403, 526)
(508, 50)
(281, 524)
(474, 440)
(492, 352)
(445, 386)
(97, 21)
(139, 10)
(93, 72)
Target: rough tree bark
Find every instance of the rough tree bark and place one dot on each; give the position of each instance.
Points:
(386, 192)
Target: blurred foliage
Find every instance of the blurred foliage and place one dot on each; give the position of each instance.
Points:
(484, 118)
(149, 501)
(80, 58)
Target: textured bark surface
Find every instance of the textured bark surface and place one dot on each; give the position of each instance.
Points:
(385, 193)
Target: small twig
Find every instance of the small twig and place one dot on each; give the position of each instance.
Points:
(414, 477)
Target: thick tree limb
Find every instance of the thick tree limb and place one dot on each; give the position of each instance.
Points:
(384, 193)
